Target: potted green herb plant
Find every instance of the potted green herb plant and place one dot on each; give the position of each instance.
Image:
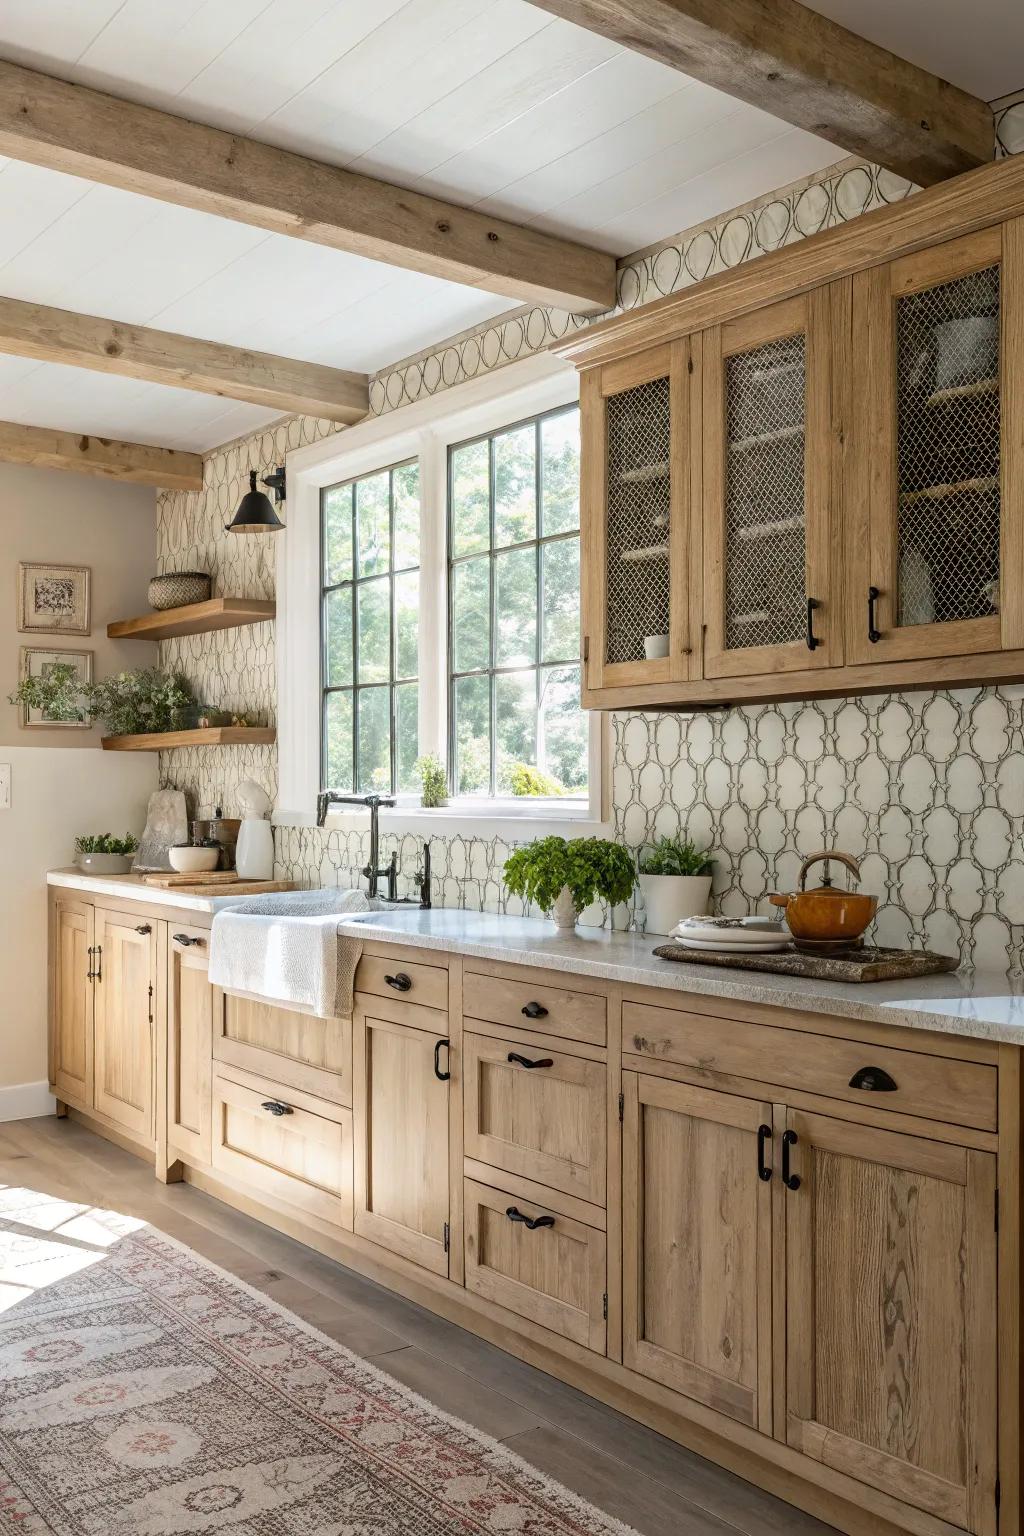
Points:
(433, 782)
(105, 855)
(563, 876)
(675, 881)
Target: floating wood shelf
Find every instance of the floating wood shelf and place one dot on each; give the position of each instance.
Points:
(194, 619)
(211, 736)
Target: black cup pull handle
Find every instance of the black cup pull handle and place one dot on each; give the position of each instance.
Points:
(535, 1011)
(144, 928)
(530, 1223)
(275, 1107)
(442, 1077)
(791, 1180)
(873, 1080)
(401, 982)
(812, 640)
(874, 633)
(185, 939)
(764, 1136)
(524, 1061)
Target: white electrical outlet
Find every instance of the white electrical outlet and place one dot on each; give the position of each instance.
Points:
(5, 786)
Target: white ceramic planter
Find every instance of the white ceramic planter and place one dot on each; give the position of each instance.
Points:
(104, 863)
(669, 898)
(563, 911)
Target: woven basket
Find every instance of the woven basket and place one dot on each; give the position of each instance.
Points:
(179, 588)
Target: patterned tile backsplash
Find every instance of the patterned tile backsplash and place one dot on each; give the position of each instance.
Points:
(927, 788)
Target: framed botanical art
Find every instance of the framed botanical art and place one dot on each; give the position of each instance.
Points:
(63, 713)
(53, 599)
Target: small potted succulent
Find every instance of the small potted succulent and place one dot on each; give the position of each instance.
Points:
(675, 881)
(433, 782)
(562, 877)
(102, 854)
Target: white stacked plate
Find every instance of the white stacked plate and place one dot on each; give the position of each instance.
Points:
(744, 935)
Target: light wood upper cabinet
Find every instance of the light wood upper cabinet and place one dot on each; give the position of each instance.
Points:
(192, 1004)
(696, 1245)
(72, 1000)
(640, 421)
(769, 515)
(936, 513)
(125, 993)
(400, 1101)
(891, 1314)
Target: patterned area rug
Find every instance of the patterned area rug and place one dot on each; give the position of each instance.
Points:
(145, 1391)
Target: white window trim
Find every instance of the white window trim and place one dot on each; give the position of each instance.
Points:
(423, 430)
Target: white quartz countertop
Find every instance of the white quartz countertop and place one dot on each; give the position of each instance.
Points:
(987, 1005)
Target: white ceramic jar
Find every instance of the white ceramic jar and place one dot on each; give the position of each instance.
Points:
(669, 898)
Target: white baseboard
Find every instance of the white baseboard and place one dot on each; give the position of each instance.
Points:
(26, 1101)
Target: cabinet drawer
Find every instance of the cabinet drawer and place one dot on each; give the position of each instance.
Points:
(546, 1121)
(934, 1087)
(556, 1011)
(291, 1049)
(303, 1156)
(553, 1274)
(428, 984)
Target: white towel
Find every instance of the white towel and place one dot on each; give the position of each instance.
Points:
(288, 950)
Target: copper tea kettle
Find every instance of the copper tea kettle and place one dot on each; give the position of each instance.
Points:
(827, 913)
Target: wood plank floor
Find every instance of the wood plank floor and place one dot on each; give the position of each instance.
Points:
(634, 1474)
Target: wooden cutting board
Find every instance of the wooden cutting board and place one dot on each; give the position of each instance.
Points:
(867, 964)
(202, 887)
(200, 877)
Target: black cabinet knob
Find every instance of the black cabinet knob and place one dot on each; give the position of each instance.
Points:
(185, 939)
(401, 982)
(275, 1107)
(144, 928)
(535, 1011)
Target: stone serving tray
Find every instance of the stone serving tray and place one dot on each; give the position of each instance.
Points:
(867, 964)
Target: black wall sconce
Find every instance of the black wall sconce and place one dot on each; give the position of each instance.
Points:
(255, 510)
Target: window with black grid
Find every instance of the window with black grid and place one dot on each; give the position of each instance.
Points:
(515, 722)
(370, 599)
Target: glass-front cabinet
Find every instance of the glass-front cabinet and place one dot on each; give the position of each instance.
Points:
(636, 481)
(929, 398)
(767, 504)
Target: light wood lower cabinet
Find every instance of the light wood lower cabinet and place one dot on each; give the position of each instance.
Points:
(296, 1050)
(72, 999)
(296, 1149)
(533, 1109)
(891, 1314)
(536, 1262)
(125, 1013)
(401, 1132)
(696, 1245)
(192, 1006)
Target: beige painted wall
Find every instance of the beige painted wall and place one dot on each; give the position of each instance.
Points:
(47, 516)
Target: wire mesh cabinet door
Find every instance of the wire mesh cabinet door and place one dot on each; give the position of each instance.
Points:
(769, 456)
(928, 479)
(638, 487)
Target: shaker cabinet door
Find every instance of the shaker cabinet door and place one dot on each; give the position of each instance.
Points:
(934, 512)
(72, 1001)
(401, 1134)
(891, 1314)
(125, 990)
(770, 513)
(697, 1246)
(192, 1006)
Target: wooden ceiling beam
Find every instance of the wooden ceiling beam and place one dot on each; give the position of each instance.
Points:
(809, 71)
(45, 448)
(88, 133)
(162, 357)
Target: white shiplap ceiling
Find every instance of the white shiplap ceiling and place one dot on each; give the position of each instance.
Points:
(488, 102)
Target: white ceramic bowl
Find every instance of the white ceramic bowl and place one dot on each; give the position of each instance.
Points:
(193, 861)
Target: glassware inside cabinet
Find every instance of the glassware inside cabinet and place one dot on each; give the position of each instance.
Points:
(948, 429)
(638, 522)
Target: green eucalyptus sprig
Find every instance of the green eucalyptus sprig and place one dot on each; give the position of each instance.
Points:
(129, 703)
(591, 867)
